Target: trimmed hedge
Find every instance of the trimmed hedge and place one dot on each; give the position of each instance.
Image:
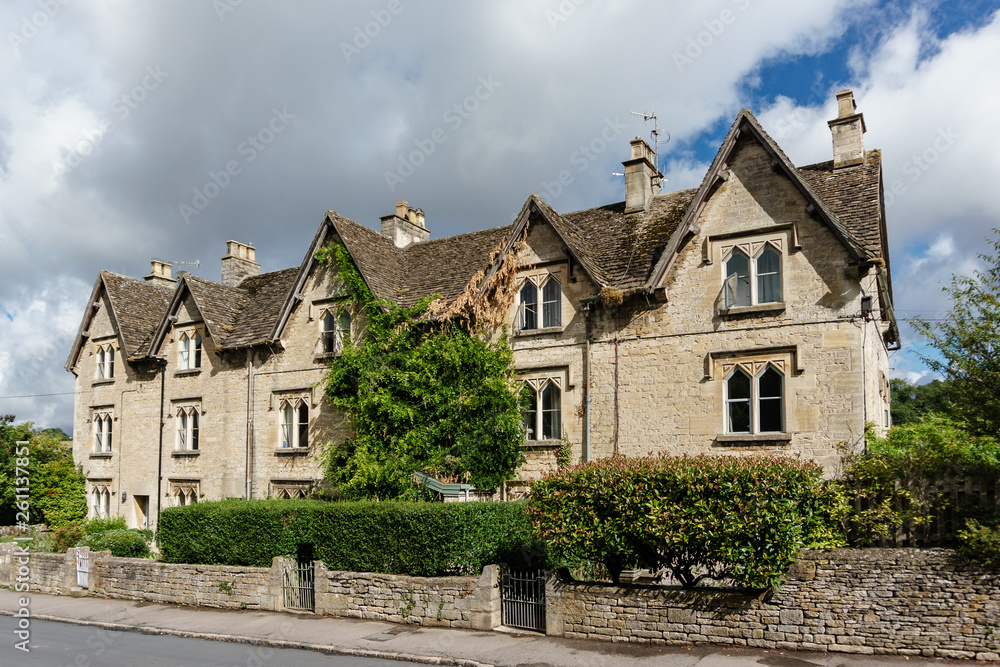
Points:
(738, 519)
(121, 543)
(420, 539)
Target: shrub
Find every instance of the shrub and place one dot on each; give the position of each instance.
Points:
(422, 539)
(980, 542)
(895, 481)
(723, 518)
(121, 543)
(66, 537)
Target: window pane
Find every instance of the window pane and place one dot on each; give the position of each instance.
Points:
(739, 416)
(551, 304)
(739, 385)
(770, 384)
(184, 352)
(100, 364)
(551, 417)
(303, 425)
(769, 276)
(182, 421)
(329, 333)
(110, 366)
(529, 306)
(197, 351)
(738, 280)
(287, 425)
(770, 415)
(529, 411)
(107, 433)
(194, 429)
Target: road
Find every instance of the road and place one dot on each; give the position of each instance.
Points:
(69, 645)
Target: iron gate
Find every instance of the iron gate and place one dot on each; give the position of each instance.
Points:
(522, 599)
(298, 586)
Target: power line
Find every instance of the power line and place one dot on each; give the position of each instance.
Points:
(64, 393)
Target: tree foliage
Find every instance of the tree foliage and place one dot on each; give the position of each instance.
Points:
(432, 397)
(912, 402)
(57, 486)
(968, 342)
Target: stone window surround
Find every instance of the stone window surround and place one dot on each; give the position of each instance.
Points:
(102, 415)
(295, 400)
(338, 308)
(538, 378)
(291, 488)
(717, 249)
(99, 498)
(183, 491)
(538, 275)
(786, 359)
(190, 406)
(196, 351)
(105, 374)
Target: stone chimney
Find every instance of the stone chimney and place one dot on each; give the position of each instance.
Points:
(239, 263)
(847, 128)
(642, 179)
(405, 226)
(159, 274)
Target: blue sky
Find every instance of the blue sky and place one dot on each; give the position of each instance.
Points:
(116, 116)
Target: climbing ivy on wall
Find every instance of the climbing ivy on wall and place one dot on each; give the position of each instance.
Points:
(422, 394)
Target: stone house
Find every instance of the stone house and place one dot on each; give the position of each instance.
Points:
(751, 314)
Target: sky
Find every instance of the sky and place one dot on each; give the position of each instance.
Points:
(133, 130)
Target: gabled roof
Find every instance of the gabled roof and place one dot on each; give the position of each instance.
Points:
(136, 308)
(236, 317)
(746, 123)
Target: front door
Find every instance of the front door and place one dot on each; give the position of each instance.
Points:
(141, 511)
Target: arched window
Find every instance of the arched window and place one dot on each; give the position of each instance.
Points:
(100, 501)
(336, 331)
(189, 347)
(755, 404)
(768, 276)
(541, 411)
(102, 432)
(105, 362)
(528, 307)
(188, 422)
(737, 280)
(738, 402)
(551, 303)
(294, 429)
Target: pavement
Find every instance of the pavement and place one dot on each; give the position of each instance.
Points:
(414, 643)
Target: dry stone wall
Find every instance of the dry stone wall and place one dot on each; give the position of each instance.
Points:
(928, 602)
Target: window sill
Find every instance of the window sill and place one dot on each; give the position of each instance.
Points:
(752, 439)
(541, 444)
(291, 451)
(758, 309)
(324, 356)
(187, 371)
(102, 383)
(185, 452)
(100, 455)
(539, 332)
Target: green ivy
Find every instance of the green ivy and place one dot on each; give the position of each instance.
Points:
(420, 396)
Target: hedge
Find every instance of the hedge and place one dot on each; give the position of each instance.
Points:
(420, 539)
(738, 519)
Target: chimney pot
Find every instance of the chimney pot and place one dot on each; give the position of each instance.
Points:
(239, 263)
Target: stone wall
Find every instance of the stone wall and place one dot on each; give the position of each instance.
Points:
(928, 602)
(203, 585)
(458, 602)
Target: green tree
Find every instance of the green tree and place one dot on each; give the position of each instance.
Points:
(56, 486)
(967, 342)
(421, 396)
(912, 402)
